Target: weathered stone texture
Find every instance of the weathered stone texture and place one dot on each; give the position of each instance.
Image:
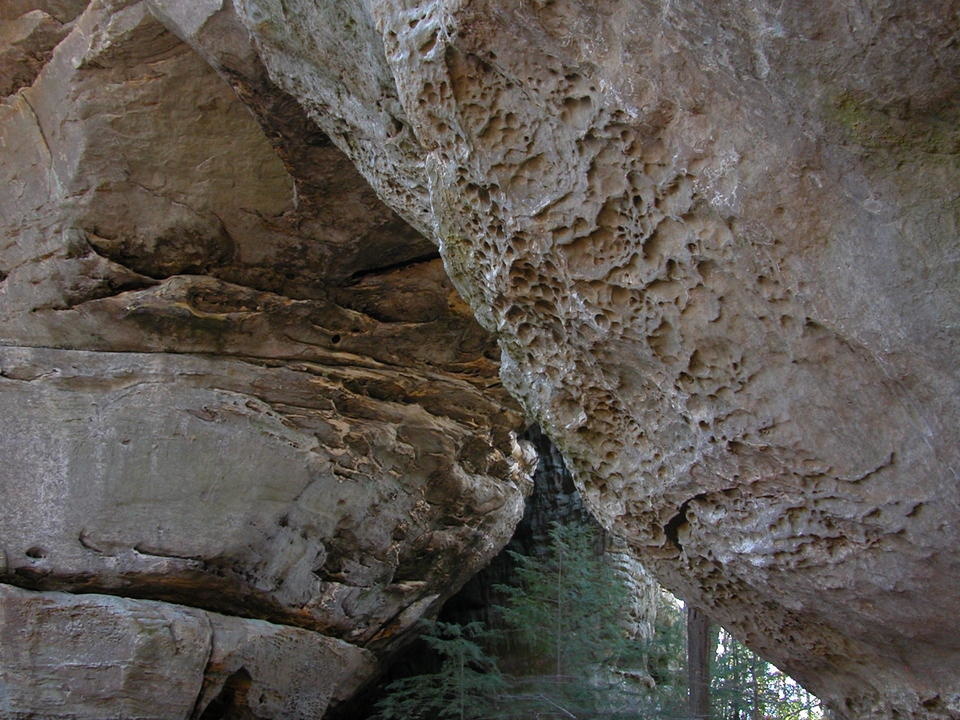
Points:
(231, 379)
(98, 656)
(244, 489)
(718, 244)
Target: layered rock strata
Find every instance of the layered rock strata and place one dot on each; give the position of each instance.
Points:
(718, 243)
(250, 432)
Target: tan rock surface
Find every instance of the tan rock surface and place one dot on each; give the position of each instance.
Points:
(718, 243)
(231, 379)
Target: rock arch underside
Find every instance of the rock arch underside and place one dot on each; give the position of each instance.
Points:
(280, 280)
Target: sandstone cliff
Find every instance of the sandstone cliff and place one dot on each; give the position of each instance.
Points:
(245, 413)
(717, 243)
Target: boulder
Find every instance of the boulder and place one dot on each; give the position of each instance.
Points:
(96, 656)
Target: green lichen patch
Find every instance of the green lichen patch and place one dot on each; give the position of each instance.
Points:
(897, 127)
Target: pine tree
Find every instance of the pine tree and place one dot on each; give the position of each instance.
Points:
(745, 687)
(572, 656)
(465, 687)
(666, 659)
(567, 612)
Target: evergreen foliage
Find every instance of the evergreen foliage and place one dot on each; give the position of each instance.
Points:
(572, 656)
(745, 687)
(666, 659)
(465, 687)
(566, 610)
(566, 607)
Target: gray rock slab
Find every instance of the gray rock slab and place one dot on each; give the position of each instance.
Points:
(90, 657)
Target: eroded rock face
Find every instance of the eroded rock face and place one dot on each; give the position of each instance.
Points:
(96, 656)
(233, 383)
(718, 244)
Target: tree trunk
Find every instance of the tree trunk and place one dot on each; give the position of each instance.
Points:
(755, 671)
(698, 662)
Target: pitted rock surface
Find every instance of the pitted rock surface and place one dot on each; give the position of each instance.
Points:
(718, 244)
